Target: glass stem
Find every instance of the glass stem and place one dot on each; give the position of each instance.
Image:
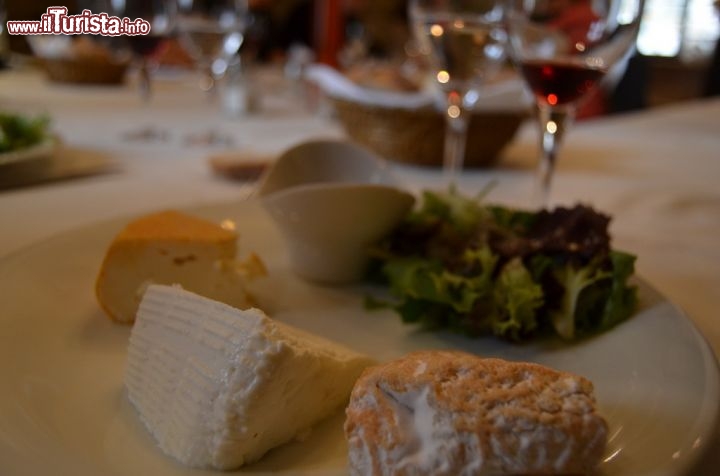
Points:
(208, 82)
(553, 122)
(144, 80)
(455, 138)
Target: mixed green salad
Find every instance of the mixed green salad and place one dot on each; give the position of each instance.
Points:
(457, 263)
(19, 132)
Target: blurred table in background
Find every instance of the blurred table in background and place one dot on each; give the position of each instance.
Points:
(149, 173)
(656, 172)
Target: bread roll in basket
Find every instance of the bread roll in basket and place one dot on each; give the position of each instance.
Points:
(409, 127)
(79, 60)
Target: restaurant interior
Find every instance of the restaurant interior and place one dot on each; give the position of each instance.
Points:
(367, 209)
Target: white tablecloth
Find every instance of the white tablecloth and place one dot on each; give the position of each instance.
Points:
(656, 172)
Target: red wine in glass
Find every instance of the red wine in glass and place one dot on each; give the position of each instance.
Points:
(161, 16)
(563, 50)
(558, 83)
(144, 45)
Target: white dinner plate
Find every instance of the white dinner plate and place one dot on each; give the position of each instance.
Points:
(63, 409)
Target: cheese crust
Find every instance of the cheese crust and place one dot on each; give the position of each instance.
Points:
(452, 413)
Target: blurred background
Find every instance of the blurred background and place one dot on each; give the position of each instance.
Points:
(677, 52)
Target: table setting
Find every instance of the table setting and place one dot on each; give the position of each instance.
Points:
(326, 222)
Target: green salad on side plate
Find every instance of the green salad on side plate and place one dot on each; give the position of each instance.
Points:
(18, 132)
(457, 263)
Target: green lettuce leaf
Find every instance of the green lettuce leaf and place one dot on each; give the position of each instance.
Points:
(458, 264)
(19, 132)
(517, 298)
(435, 297)
(623, 300)
(462, 213)
(608, 300)
(574, 280)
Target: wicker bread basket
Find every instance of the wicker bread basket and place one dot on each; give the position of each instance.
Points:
(85, 70)
(416, 136)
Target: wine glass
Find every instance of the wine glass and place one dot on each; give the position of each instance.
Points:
(465, 43)
(212, 32)
(161, 16)
(564, 49)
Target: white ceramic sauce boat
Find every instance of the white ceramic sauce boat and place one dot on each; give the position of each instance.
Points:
(331, 200)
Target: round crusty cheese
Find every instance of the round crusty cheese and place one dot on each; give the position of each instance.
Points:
(452, 413)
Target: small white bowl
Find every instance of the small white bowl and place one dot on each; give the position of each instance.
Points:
(331, 201)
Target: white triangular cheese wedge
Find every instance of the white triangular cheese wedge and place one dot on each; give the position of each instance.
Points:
(218, 387)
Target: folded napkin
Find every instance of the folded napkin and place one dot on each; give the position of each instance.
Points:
(51, 46)
(335, 84)
(506, 93)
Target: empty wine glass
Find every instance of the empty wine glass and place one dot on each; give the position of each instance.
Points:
(465, 42)
(161, 16)
(564, 49)
(212, 32)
